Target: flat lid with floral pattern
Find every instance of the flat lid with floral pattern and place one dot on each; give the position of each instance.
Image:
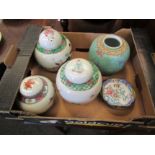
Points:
(78, 71)
(118, 92)
(50, 39)
(31, 86)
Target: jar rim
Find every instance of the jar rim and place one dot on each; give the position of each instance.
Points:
(114, 41)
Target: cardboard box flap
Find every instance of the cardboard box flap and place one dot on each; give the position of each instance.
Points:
(13, 76)
(65, 112)
(10, 82)
(145, 49)
(29, 40)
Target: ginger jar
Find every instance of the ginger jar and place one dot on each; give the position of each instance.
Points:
(109, 52)
(37, 94)
(79, 81)
(52, 49)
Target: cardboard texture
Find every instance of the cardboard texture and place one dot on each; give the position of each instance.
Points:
(97, 109)
(146, 68)
(96, 113)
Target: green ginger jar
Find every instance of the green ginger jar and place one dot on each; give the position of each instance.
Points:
(109, 52)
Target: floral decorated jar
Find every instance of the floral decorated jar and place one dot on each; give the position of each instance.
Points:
(79, 81)
(52, 49)
(37, 94)
(109, 52)
(118, 94)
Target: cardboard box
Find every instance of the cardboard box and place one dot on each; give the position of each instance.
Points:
(20, 63)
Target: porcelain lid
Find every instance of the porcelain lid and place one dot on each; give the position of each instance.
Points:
(31, 86)
(78, 71)
(118, 92)
(50, 39)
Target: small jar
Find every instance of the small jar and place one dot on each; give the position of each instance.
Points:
(79, 81)
(52, 49)
(118, 95)
(37, 94)
(109, 52)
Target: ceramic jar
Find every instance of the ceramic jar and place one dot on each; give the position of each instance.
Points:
(37, 94)
(79, 81)
(118, 95)
(52, 49)
(109, 52)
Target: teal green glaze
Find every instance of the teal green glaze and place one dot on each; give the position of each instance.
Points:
(106, 59)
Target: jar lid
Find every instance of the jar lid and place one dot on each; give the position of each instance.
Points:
(50, 39)
(78, 71)
(31, 86)
(118, 92)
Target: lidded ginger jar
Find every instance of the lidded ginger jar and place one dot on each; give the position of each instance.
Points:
(52, 49)
(37, 94)
(79, 81)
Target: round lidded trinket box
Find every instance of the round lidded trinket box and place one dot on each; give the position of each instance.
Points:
(119, 95)
(37, 94)
(52, 49)
(79, 81)
(109, 52)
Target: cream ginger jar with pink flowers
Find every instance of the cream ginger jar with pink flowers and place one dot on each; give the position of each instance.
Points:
(52, 49)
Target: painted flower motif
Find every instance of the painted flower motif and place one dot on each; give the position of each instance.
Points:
(117, 85)
(109, 92)
(39, 97)
(90, 82)
(62, 42)
(48, 31)
(99, 53)
(122, 92)
(47, 51)
(28, 84)
(115, 95)
(68, 83)
(78, 67)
